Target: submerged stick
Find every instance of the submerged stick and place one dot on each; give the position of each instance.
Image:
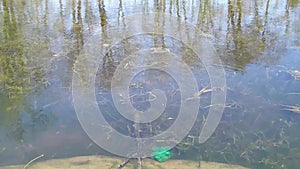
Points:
(136, 133)
(124, 163)
(31, 161)
(139, 163)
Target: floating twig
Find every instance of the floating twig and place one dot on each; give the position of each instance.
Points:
(199, 93)
(293, 93)
(295, 74)
(31, 161)
(295, 109)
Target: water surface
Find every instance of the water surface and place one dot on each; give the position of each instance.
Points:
(258, 42)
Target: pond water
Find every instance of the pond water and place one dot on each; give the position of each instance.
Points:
(258, 42)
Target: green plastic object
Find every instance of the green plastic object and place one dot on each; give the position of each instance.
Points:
(161, 154)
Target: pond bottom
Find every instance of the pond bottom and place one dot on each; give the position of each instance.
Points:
(103, 162)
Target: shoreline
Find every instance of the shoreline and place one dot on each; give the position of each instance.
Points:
(105, 162)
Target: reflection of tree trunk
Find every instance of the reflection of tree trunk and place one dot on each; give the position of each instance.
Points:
(155, 37)
(45, 21)
(60, 8)
(266, 22)
(230, 14)
(10, 24)
(287, 16)
(184, 10)
(79, 18)
(36, 8)
(164, 5)
(239, 23)
(204, 16)
(13, 18)
(199, 15)
(193, 10)
(103, 18)
(108, 67)
(235, 37)
(14, 81)
(238, 30)
(121, 13)
(88, 14)
(46, 14)
(80, 25)
(230, 21)
(73, 11)
(170, 7)
(210, 15)
(160, 20)
(256, 17)
(102, 12)
(77, 25)
(61, 13)
(6, 26)
(77, 36)
(177, 9)
(145, 6)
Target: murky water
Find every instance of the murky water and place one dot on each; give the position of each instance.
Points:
(258, 42)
